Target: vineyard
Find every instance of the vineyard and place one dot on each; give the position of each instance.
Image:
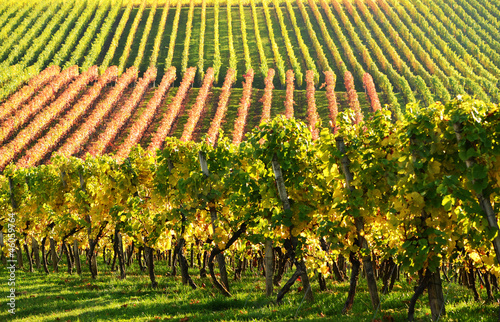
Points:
(324, 140)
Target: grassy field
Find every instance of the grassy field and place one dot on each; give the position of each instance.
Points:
(418, 45)
(65, 297)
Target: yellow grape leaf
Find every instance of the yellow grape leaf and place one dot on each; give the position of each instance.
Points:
(376, 193)
(266, 204)
(337, 193)
(434, 167)
(203, 214)
(219, 232)
(495, 270)
(398, 205)
(331, 173)
(417, 199)
(353, 248)
(475, 257)
(488, 260)
(221, 244)
(405, 212)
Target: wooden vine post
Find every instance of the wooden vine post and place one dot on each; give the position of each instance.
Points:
(431, 279)
(53, 255)
(479, 180)
(179, 248)
(76, 257)
(14, 209)
(78, 264)
(25, 244)
(118, 248)
(90, 255)
(149, 256)
(269, 258)
(92, 242)
(68, 257)
(179, 251)
(359, 223)
(44, 257)
(292, 243)
(36, 251)
(2, 244)
(213, 215)
(482, 198)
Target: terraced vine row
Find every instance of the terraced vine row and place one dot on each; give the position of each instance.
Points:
(79, 119)
(436, 51)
